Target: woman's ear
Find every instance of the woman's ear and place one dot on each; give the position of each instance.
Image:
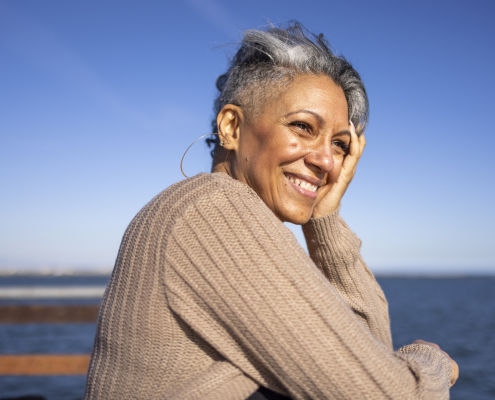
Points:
(229, 121)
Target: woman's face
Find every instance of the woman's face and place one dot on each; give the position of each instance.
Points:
(294, 147)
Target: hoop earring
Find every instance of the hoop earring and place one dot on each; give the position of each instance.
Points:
(208, 134)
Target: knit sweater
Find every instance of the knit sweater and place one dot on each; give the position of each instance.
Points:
(212, 296)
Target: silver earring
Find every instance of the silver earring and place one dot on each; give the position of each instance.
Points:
(221, 143)
(182, 160)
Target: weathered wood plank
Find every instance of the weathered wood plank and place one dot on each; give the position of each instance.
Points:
(51, 292)
(44, 364)
(32, 314)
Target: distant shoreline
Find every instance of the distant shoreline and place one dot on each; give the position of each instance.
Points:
(55, 273)
(108, 272)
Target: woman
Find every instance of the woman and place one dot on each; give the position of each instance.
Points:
(213, 298)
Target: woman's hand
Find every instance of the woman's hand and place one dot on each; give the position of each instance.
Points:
(331, 194)
(455, 367)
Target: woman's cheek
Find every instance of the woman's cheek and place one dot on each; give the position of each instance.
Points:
(334, 174)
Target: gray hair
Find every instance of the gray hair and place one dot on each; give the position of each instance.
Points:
(273, 58)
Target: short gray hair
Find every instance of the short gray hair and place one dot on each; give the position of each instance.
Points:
(274, 57)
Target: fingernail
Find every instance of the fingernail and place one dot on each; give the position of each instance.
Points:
(352, 125)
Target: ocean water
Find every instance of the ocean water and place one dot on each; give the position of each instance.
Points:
(456, 313)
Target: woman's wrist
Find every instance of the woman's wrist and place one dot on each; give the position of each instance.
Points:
(323, 228)
(320, 214)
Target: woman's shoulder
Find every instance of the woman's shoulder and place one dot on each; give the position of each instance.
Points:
(203, 185)
(199, 191)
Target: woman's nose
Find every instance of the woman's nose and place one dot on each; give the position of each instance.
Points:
(322, 158)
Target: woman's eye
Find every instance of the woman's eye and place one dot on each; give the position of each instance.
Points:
(301, 125)
(342, 146)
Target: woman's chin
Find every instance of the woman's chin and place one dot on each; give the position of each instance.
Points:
(299, 222)
(297, 217)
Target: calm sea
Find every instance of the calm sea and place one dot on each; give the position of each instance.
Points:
(456, 313)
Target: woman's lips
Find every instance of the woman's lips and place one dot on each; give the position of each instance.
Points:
(309, 189)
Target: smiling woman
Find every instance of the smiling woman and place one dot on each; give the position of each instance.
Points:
(212, 297)
(292, 153)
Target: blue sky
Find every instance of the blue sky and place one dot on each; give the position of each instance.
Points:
(99, 100)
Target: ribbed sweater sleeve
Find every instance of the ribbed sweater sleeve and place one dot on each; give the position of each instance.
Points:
(335, 249)
(238, 278)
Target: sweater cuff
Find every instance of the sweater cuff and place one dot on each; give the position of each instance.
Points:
(323, 226)
(423, 351)
(330, 240)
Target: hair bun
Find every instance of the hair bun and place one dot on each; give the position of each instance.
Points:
(221, 81)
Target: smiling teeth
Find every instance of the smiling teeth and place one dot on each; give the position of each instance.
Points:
(305, 185)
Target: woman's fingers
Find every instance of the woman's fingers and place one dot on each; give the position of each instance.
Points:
(355, 152)
(455, 370)
(331, 194)
(354, 148)
(362, 145)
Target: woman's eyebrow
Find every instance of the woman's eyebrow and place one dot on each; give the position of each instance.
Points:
(344, 132)
(318, 116)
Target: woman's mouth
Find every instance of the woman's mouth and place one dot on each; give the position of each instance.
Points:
(302, 186)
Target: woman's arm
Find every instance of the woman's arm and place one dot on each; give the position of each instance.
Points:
(238, 278)
(335, 249)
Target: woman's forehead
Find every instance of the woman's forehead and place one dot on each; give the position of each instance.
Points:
(311, 93)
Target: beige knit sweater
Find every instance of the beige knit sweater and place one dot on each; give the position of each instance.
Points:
(212, 296)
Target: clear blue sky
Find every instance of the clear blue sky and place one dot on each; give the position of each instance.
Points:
(99, 100)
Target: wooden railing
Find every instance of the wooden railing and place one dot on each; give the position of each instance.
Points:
(46, 364)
